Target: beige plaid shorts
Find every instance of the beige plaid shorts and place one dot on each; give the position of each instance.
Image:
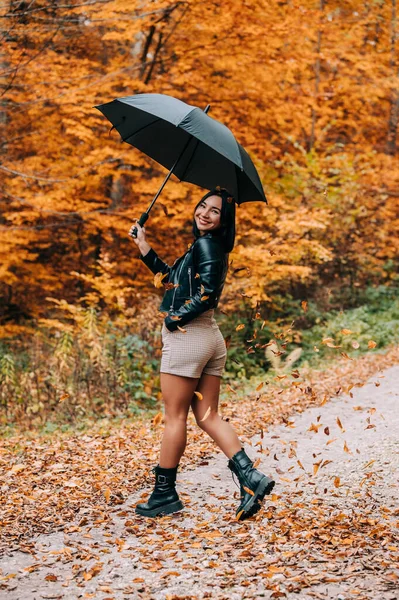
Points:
(201, 349)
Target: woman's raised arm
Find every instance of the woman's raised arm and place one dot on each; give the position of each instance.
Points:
(149, 257)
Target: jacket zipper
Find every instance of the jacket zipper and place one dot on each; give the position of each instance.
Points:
(189, 279)
(174, 293)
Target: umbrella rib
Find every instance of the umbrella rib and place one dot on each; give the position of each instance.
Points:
(141, 129)
(189, 162)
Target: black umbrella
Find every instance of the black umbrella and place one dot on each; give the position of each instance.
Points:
(183, 138)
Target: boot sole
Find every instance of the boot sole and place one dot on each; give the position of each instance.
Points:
(166, 510)
(264, 488)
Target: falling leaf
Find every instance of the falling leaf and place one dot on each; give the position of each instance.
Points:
(199, 395)
(157, 419)
(248, 490)
(158, 279)
(301, 465)
(371, 344)
(327, 430)
(63, 397)
(331, 441)
(346, 449)
(181, 329)
(337, 481)
(346, 331)
(208, 412)
(259, 386)
(203, 298)
(340, 425)
(230, 389)
(175, 318)
(314, 427)
(316, 467)
(304, 305)
(240, 326)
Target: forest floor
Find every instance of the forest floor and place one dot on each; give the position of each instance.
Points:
(329, 530)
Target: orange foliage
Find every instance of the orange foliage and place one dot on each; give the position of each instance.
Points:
(309, 89)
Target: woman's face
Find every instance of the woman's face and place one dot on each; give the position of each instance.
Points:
(207, 215)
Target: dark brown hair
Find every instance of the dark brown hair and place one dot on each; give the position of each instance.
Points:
(227, 230)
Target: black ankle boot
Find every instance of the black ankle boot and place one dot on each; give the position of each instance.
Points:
(259, 484)
(164, 499)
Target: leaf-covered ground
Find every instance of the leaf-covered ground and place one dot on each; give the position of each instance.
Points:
(328, 438)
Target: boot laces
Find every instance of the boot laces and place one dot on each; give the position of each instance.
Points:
(232, 475)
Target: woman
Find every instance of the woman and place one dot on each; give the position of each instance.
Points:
(194, 354)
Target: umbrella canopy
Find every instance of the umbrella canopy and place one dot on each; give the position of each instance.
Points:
(166, 128)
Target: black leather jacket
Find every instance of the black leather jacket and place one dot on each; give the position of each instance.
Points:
(200, 274)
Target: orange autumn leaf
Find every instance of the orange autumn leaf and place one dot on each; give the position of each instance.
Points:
(158, 279)
(199, 395)
(157, 419)
(206, 415)
(316, 467)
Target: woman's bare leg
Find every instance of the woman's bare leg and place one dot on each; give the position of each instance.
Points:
(177, 393)
(220, 431)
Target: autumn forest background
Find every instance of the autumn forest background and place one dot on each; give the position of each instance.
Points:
(310, 88)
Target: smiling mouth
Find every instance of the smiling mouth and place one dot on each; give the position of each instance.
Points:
(203, 222)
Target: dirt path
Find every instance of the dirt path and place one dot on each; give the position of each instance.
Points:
(327, 532)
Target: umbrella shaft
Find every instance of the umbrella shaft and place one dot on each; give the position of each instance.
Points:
(145, 215)
(171, 171)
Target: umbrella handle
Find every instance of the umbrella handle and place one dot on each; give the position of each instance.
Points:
(142, 220)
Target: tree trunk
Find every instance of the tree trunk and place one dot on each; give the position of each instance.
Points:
(317, 80)
(393, 119)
